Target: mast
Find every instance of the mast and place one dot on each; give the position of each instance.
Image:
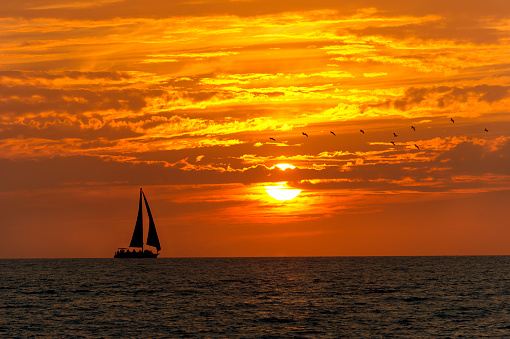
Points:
(137, 239)
(152, 236)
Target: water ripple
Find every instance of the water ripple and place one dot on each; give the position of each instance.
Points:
(416, 297)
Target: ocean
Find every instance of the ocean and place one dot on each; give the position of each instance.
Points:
(304, 297)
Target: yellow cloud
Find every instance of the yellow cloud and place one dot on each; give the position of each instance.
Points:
(158, 58)
(374, 74)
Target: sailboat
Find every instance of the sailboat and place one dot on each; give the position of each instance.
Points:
(137, 239)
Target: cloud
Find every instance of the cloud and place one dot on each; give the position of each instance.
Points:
(103, 86)
(374, 74)
(470, 158)
(66, 128)
(23, 99)
(75, 5)
(38, 75)
(444, 98)
(447, 27)
(155, 58)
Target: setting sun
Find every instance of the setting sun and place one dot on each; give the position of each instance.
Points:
(283, 167)
(282, 192)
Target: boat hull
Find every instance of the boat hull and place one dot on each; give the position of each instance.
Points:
(135, 255)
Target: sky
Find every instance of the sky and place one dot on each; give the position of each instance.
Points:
(198, 101)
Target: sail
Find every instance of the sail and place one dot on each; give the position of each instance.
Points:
(137, 239)
(152, 237)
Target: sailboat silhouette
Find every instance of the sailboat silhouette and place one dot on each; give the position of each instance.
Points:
(137, 239)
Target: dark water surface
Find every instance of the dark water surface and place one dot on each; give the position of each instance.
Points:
(350, 297)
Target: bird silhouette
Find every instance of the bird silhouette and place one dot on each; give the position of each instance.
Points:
(333, 133)
(273, 139)
(486, 130)
(416, 146)
(394, 134)
(414, 129)
(452, 120)
(393, 143)
(362, 131)
(305, 134)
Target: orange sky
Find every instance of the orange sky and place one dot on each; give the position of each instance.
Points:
(100, 98)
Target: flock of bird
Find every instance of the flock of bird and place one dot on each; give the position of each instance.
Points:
(394, 134)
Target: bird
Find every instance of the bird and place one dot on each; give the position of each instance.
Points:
(452, 120)
(486, 130)
(305, 134)
(362, 131)
(273, 139)
(393, 143)
(394, 134)
(416, 146)
(332, 133)
(414, 129)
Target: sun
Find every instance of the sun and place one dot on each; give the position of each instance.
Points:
(283, 167)
(282, 192)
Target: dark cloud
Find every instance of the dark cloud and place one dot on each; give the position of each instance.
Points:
(21, 99)
(159, 9)
(443, 96)
(465, 159)
(269, 94)
(62, 171)
(451, 28)
(469, 158)
(33, 75)
(199, 96)
(58, 129)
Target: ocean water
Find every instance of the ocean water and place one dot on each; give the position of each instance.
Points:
(322, 297)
